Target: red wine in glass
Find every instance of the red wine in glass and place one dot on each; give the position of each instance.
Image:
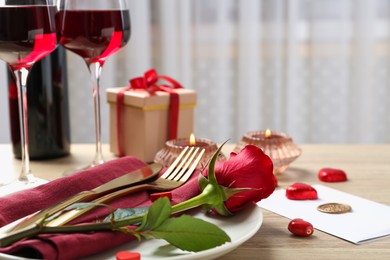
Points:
(27, 34)
(94, 34)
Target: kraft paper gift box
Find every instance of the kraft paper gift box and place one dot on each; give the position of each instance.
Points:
(144, 120)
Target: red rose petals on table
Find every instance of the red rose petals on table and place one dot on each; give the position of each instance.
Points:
(300, 227)
(301, 191)
(155, 196)
(332, 175)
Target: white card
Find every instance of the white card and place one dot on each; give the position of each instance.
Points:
(368, 220)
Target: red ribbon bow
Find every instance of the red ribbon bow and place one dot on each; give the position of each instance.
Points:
(149, 83)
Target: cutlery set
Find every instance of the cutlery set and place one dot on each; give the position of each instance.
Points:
(142, 179)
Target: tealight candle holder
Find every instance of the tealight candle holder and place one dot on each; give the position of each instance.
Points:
(173, 148)
(278, 146)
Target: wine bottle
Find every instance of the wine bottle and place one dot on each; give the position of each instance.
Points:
(48, 112)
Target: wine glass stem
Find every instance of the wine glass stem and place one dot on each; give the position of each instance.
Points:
(95, 69)
(21, 83)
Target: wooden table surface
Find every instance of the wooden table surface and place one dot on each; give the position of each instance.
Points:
(368, 169)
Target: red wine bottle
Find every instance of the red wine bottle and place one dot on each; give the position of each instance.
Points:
(48, 112)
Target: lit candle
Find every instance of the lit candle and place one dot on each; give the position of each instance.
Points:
(267, 134)
(192, 141)
(173, 148)
(278, 146)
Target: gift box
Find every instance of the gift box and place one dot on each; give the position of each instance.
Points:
(142, 124)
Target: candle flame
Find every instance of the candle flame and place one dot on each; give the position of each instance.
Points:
(192, 139)
(268, 133)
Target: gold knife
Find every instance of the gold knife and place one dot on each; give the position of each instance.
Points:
(134, 177)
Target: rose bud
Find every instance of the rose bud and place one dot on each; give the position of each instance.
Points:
(300, 227)
(251, 170)
(301, 191)
(332, 175)
(244, 179)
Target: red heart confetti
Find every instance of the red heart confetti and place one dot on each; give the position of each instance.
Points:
(126, 255)
(301, 191)
(156, 195)
(332, 175)
(300, 227)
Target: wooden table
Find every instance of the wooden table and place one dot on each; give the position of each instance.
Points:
(368, 169)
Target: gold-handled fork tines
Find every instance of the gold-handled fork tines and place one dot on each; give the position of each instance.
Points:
(176, 175)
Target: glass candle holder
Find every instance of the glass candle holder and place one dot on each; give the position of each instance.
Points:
(278, 146)
(173, 148)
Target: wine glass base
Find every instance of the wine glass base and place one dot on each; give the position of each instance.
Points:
(82, 168)
(76, 170)
(4, 183)
(17, 185)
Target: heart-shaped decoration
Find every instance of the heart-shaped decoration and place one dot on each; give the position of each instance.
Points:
(154, 196)
(332, 175)
(301, 191)
(300, 227)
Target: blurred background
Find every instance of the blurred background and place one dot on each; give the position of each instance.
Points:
(318, 70)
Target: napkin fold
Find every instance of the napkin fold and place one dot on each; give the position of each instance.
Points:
(367, 221)
(74, 246)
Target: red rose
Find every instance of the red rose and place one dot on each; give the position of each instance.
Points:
(250, 169)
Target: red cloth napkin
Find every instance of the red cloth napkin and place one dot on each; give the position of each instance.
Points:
(74, 246)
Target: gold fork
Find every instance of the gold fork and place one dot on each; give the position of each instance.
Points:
(175, 176)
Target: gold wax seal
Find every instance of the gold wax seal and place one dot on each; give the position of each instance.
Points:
(334, 208)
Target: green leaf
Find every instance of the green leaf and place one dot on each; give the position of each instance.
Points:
(125, 213)
(202, 181)
(232, 191)
(222, 210)
(211, 174)
(157, 214)
(190, 234)
(207, 207)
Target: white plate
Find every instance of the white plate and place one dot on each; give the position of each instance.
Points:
(240, 228)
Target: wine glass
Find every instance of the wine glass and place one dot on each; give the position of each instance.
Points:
(27, 34)
(94, 30)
